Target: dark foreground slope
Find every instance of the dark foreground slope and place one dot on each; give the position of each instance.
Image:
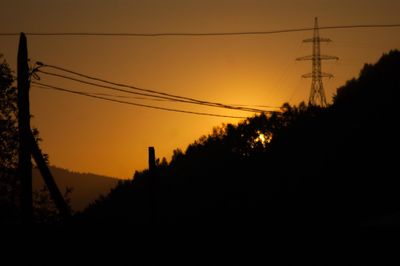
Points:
(329, 167)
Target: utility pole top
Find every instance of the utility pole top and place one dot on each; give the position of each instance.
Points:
(24, 131)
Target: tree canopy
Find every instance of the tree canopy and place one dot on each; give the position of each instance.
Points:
(307, 166)
(44, 208)
(8, 144)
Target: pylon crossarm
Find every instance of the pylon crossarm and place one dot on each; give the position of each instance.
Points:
(322, 75)
(308, 75)
(328, 57)
(317, 40)
(308, 57)
(326, 75)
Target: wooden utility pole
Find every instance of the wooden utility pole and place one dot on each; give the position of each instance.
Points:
(24, 130)
(28, 145)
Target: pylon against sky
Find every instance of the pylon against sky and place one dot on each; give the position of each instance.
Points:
(317, 93)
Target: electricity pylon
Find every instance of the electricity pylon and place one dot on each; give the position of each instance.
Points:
(317, 93)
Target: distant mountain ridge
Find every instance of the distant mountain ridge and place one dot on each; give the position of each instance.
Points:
(86, 186)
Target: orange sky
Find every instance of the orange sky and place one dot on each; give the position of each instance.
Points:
(89, 135)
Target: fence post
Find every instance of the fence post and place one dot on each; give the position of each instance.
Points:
(152, 159)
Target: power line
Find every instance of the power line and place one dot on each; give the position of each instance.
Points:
(111, 88)
(128, 97)
(194, 34)
(162, 100)
(255, 105)
(134, 87)
(165, 96)
(46, 86)
(253, 110)
(177, 34)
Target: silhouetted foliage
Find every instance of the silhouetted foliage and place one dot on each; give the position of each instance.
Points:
(44, 209)
(8, 145)
(307, 167)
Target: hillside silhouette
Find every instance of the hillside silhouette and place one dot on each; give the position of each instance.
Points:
(307, 167)
(86, 187)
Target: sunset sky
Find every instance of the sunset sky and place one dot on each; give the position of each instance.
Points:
(89, 135)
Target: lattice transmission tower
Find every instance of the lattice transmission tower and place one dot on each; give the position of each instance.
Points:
(317, 93)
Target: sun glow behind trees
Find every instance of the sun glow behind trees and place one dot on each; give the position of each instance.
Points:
(258, 70)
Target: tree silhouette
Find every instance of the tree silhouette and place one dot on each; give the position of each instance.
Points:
(8, 145)
(307, 167)
(44, 209)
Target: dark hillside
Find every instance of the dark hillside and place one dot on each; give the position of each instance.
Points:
(86, 187)
(306, 167)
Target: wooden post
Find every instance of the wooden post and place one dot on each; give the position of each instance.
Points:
(49, 180)
(28, 145)
(24, 129)
(150, 202)
(152, 159)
